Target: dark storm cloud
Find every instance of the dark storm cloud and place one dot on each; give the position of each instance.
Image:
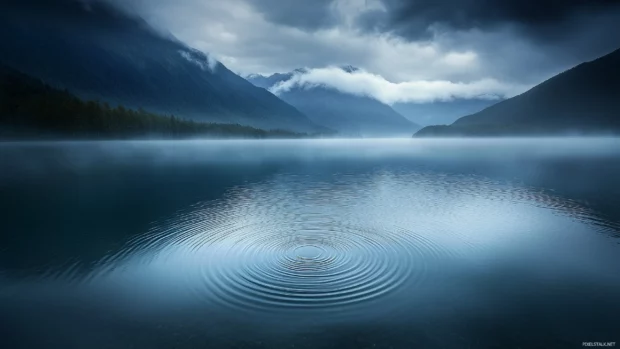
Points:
(412, 19)
(563, 32)
(541, 18)
(306, 15)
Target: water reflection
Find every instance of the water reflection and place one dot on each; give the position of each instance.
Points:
(438, 238)
(297, 243)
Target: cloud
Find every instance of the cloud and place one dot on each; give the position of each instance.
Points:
(206, 62)
(386, 37)
(314, 15)
(421, 18)
(481, 45)
(363, 83)
(308, 15)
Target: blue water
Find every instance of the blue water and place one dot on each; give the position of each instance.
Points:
(472, 243)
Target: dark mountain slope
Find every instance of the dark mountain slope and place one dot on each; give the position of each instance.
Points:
(30, 109)
(441, 112)
(581, 100)
(99, 52)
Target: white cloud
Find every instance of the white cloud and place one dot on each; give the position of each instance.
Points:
(207, 63)
(363, 83)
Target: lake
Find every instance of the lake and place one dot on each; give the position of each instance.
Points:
(394, 243)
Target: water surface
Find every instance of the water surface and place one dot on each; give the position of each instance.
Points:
(483, 243)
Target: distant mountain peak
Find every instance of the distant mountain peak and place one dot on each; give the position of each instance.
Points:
(346, 68)
(349, 68)
(254, 76)
(268, 81)
(325, 105)
(300, 70)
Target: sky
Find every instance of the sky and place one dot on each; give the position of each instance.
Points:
(406, 50)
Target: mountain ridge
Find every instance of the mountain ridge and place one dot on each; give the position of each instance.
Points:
(580, 100)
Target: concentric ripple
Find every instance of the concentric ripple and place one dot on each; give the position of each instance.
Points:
(297, 244)
(267, 267)
(284, 254)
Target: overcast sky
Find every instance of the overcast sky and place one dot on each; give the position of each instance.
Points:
(407, 50)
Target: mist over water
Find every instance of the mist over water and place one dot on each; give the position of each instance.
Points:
(392, 243)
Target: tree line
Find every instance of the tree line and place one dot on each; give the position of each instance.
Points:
(29, 106)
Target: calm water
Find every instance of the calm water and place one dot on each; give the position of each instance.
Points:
(310, 244)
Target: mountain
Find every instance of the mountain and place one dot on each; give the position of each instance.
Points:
(99, 52)
(267, 82)
(440, 113)
(349, 114)
(581, 100)
(30, 109)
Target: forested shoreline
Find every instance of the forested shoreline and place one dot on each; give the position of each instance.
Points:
(29, 109)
